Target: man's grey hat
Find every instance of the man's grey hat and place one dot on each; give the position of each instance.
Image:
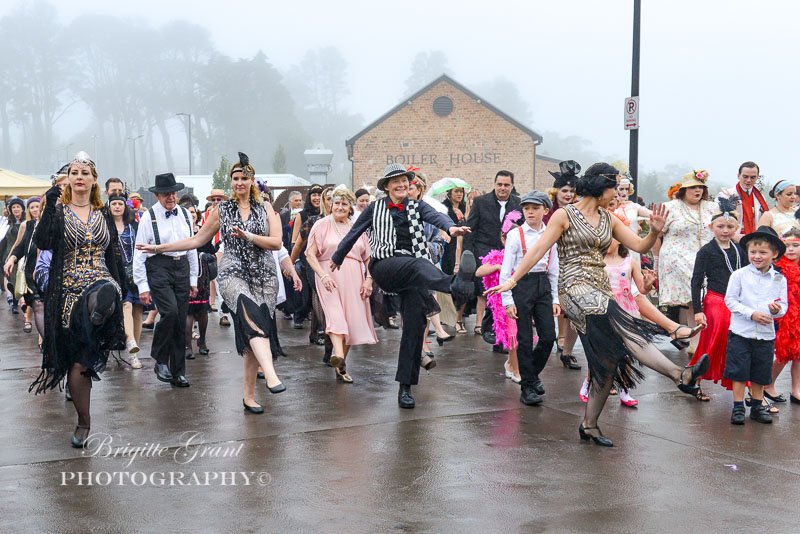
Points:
(536, 197)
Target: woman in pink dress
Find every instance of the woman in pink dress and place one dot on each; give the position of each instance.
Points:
(344, 293)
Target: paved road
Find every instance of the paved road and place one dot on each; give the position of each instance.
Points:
(338, 457)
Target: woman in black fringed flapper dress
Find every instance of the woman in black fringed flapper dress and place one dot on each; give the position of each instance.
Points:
(612, 339)
(83, 315)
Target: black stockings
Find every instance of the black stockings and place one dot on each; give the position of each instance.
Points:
(80, 387)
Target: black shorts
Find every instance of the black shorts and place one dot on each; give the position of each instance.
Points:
(749, 359)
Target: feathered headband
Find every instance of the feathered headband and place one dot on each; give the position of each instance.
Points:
(510, 219)
(244, 164)
(728, 203)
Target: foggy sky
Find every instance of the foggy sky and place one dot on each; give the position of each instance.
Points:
(719, 79)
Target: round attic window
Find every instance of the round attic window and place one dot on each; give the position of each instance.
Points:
(443, 106)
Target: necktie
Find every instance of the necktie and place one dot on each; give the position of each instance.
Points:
(173, 211)
(502, 212)
(398, 207)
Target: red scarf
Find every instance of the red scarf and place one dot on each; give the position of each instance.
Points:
(748, 208)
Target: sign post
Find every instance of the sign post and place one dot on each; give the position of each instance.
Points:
(633, 155)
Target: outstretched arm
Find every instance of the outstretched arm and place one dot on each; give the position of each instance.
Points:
(624, 235)
(557, 225)
(202, 237)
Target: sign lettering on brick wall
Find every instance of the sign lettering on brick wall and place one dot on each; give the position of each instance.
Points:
(467, 158)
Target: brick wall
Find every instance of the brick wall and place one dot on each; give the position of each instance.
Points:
(472, 143)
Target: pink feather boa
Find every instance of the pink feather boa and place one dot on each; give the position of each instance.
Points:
(505, 329)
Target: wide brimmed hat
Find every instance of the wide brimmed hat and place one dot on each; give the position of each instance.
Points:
(392, 170)
(165, 183)
(536, 197)
(695, 178)
(765, 232)
(217, 193)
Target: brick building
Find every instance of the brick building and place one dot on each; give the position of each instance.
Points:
(448, 131)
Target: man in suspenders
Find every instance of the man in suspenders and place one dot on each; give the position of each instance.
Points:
(168, 279)
(535, 298)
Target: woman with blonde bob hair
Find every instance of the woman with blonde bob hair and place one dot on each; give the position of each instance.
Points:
(344, 293)
(248, 277)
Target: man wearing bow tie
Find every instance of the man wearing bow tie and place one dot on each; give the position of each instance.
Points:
(168, 279)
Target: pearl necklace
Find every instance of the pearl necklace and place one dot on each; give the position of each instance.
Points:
(336, 227)
(727, 260)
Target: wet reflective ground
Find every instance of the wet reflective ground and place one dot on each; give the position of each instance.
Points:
(332, 457)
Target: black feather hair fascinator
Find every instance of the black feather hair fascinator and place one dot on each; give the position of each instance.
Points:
(244, 163)
(728, 203)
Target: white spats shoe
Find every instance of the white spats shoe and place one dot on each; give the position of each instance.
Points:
(135, 363)
(131, 346)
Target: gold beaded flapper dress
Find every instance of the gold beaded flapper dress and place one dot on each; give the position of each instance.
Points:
(588, 302)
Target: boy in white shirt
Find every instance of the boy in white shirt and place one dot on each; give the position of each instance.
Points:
(534, 299)
(756, 296)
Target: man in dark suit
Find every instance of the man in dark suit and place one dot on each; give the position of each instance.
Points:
(486, 220)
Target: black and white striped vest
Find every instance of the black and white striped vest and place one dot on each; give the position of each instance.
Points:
(383, 238)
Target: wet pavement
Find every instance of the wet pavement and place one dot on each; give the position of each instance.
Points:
(332, 457)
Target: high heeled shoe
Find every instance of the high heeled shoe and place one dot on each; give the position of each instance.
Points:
(442, 340)
(79, 442)
(252, 409)
(280, 388)
(692, 332)
(598, 440)
(569, 361)
(696, 372)
(341, 374)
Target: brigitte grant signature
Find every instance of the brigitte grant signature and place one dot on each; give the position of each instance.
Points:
(192, 446)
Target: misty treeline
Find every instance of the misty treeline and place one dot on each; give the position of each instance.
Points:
(129, 82)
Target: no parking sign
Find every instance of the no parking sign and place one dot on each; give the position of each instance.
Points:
(632, 113)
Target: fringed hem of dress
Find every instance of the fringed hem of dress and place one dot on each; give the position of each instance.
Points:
(604, 345)
(259, 316)
(84, 343)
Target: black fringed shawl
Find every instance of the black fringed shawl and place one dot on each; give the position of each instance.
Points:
(61, 346)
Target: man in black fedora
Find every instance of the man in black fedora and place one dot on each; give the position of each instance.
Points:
(400, 264)
(168, 279)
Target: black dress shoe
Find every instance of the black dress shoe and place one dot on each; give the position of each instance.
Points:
(404, 398)
(280, 388)
(202, 349)
(538, 386)
(569, 361)
(793, 399)
(189, 353)
(180, 382)
(162, 372)
(260, 375)
(598, 440)
(252, 409)
(148, 326)
(529, 397)
(499, 349)
(462, 287)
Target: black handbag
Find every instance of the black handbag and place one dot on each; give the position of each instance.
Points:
(210, 262)
(129, 278)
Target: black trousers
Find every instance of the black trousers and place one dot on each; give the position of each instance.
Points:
(534, 302)
(169, 286)
(412, 279)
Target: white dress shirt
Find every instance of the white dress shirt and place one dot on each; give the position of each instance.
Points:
(169, 231)
(279, 255)
(750, 290)
(513, 257)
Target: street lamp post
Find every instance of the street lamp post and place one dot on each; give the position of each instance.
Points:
(633, 154)
(188, 135)
(133, 144)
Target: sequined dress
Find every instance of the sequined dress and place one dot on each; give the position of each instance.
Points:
(85, 257)
(588, 301)
(247, 279)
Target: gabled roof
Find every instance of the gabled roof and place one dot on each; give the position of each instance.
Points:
(444, 78)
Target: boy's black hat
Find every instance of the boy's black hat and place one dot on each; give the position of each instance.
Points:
(765, 232)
